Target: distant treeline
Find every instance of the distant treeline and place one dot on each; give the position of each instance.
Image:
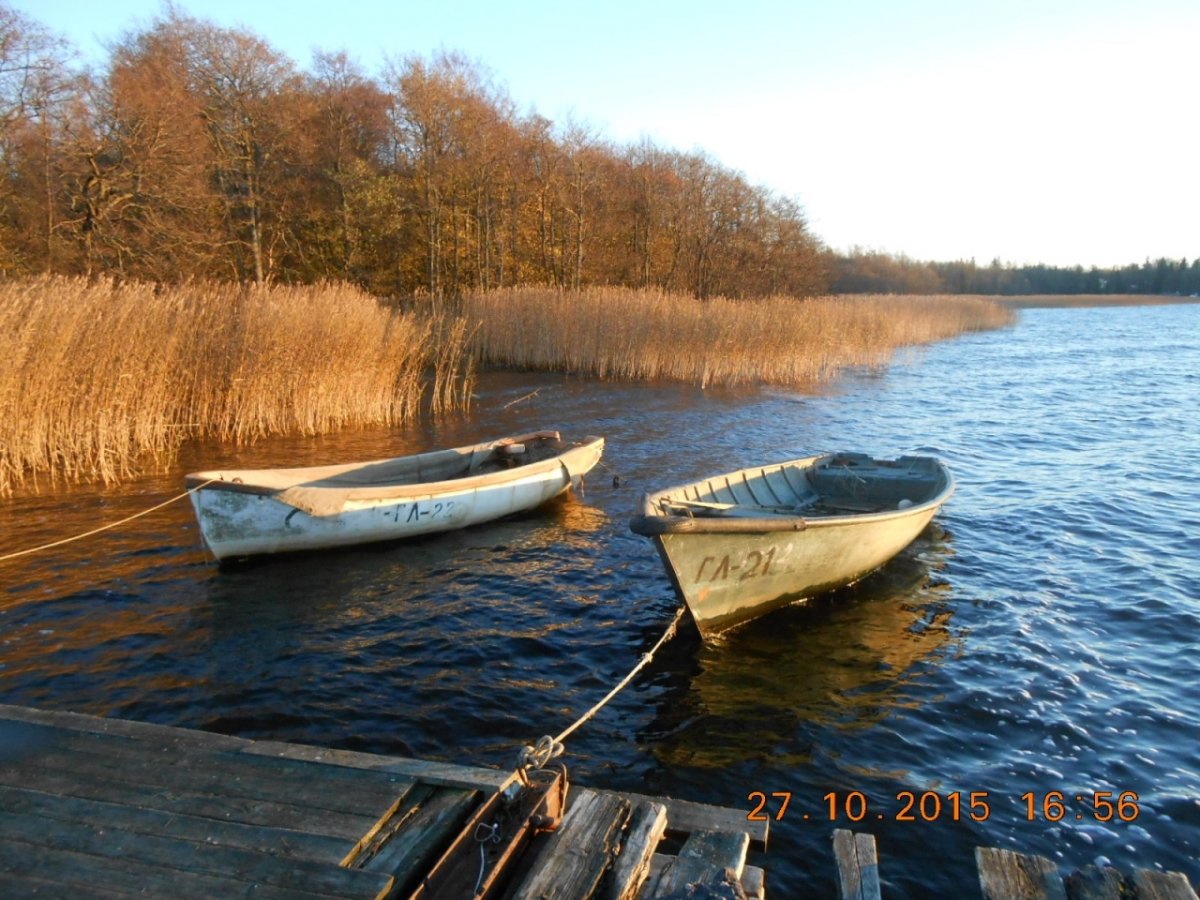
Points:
(200, 152)
(865, 272)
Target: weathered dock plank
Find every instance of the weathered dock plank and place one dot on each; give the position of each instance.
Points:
(138, 820)
(254, 867)
(1151, 885)
(419, 835)
(858, 865)
(706, 858)
(687, 816)
(754, 883)
(647, 825)
(1094, 883)
(1004, 875)
(108, 808)
(86, 873)
(207, 775)
(576, 856)
(128, 791)
(427, 771)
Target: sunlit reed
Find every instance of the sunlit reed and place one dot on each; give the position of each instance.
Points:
(625, 334)
(97, 380)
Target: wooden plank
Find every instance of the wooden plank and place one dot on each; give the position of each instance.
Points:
(19, 887)
(574, 858)
(449, 774)
(660, 864)
(1095, 883)
(1005, 875)
(706, 858)
(100, 725)
(172, 751)
(686, 816)
(1151, 885)
(248, 866)
(754, 883)
(134, 820)
(858, 865)
(270, 813)
(440, 773)
(72, 868)
(647, 825)
(422, 835)
(226, 775)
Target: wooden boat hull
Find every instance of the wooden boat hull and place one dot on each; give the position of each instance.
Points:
(255, 512)
(740, 545)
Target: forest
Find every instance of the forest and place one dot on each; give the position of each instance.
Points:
(866, 272)
(200, 152)
(197, 152)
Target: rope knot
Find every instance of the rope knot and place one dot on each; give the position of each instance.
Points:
(536, 757)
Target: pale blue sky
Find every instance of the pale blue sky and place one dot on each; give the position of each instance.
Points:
(1030, 130)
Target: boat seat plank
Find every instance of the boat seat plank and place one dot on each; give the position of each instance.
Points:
(137, 820)
(1005, 875)
(576, 855)
(170, 867)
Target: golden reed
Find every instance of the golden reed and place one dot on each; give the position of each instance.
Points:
(652, 334)
(96, 378)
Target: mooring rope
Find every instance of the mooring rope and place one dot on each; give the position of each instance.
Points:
(547, 748)
(111, 525)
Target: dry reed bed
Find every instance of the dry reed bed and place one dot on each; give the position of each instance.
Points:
(623, 334)
(97, 378)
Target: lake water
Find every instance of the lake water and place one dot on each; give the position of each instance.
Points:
(1043, 635)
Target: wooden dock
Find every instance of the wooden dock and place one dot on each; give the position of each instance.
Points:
(107, 808)
(1005, 875)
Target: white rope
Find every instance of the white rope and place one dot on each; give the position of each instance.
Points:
(548, 747)
(77, 537)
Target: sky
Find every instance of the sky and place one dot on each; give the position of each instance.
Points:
(1029, 131)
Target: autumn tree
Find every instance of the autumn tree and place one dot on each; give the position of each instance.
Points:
(40, 102)
(343, 142)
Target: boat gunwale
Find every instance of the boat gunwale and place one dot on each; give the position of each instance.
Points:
(653, 521)
(211, 480)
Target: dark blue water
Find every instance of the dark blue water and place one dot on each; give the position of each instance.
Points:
(1042, 636)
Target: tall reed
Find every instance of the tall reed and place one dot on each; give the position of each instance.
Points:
(96, 379)
(651, 334)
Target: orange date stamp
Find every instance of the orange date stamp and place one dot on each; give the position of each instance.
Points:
(951, 806)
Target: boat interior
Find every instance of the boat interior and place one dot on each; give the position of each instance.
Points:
(833, 485)
(438, 465)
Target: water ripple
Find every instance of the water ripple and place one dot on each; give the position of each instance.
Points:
(1041, 636)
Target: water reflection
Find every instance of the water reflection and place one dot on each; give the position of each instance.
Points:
(844, 661)
(1050, 645)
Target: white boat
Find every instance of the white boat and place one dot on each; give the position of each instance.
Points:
(741, 544)
(248, 512)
